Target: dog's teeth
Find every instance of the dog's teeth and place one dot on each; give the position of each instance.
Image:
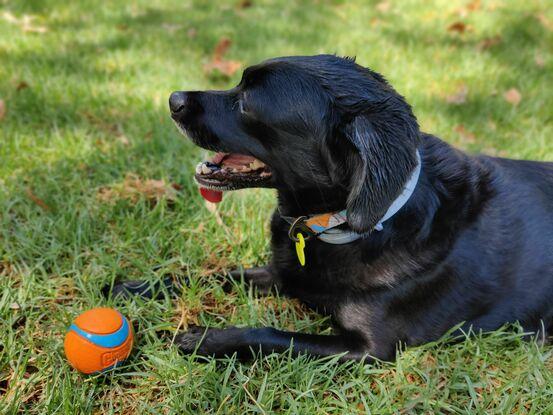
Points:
(234, 170)
(205, 169)
(256, 164)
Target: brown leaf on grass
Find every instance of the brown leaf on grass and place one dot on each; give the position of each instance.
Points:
(134, 188)
(216, 261)
(488, 42)
(545, 22)
(458, 27)
(383, 6)
(471, 7)
(227, 68)
(244, 4)
(191, 33)
(474, 5)
(412, 378)
(122, 138)
(512, 96)
(458, 97)
(35, 29)
(25, 23)
(6, 268)
(429, 361)
(218, 61)
(539, 60)
(221, 48)
(21, 85)
(466, 136)
(37, 200)
(2, 109)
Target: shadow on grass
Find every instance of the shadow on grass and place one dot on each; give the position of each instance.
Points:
(156, 146)
(515, 42)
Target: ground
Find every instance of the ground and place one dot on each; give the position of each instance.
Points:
(96, 185)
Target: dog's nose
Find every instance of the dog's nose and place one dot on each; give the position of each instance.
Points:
(177, 101)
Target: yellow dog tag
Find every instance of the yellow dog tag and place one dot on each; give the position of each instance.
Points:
(300, 245)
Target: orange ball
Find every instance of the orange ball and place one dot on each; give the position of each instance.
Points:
(98, 340)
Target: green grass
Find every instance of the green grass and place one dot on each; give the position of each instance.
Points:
(94, 110)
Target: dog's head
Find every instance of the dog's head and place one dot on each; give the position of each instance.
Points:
(321, 126)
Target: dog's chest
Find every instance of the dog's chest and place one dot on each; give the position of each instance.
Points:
(339, 269)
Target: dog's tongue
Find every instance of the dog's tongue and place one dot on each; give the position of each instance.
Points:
(213, 196)
(229, 160)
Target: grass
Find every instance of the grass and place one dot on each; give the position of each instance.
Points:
(85, 87)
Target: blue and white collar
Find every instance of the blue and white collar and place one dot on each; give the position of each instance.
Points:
(323, 226)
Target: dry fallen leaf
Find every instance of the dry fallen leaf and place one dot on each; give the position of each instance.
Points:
(37, 200)
(133, 188)
(458, 97)
(512, 96)
(122, 138)
(545, 22)
(474, 5)
(244, 4)
(383, 6)
(25, 23)
(221, 48)
(539, 60)
(488, 42)
(228, 68)
(218, 63)
(21, 85)
(469, 8)
(458, 27)
(374, 22)
(2, 109)
(466, 136)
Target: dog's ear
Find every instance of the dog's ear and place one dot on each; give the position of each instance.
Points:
(371, 145)
(382, 157)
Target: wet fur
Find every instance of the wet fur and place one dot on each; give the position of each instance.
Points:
(474, 244)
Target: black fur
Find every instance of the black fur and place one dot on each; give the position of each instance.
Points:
(474, 244)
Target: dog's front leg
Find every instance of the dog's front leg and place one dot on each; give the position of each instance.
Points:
(245, 342)
(263, 279)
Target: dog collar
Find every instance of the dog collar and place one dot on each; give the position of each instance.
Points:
(323, 226)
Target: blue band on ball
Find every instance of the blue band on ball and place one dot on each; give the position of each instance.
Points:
(114, 339)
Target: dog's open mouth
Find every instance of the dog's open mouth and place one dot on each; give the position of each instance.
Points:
(232, 171)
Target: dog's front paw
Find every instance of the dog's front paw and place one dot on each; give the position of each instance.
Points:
(143, 288)
(210, 341)
(193, 340)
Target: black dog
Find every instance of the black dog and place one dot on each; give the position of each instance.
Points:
(472, 243)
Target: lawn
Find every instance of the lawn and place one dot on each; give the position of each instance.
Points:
(96, 185)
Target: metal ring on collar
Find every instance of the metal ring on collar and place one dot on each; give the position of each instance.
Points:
(299, 225)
